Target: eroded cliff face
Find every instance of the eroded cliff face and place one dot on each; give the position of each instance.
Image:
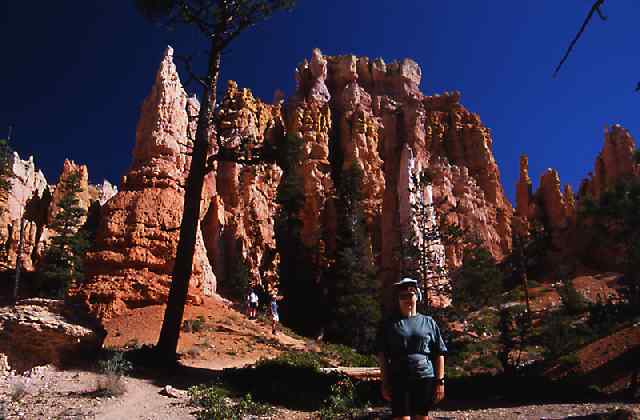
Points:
(139, 226)
(33, 199)
(28, 197)
(348, 111)
(378, 113)
(555, 209)
(614, 163)
(238, 227)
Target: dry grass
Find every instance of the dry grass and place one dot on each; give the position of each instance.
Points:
(110, 385)
(18, 388)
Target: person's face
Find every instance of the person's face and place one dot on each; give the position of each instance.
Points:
(407, 299)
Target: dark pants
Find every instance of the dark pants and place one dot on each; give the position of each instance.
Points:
(411, 396)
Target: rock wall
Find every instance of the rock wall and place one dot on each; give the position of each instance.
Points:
(555, 209)
(239, 224)
(348, 111)
(614, 163)
(139, 227)
(28, 197)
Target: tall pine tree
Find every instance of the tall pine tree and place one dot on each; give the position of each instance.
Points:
(63, 257)
(354, 293)
(6, 160)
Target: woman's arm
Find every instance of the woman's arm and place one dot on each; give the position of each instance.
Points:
(439, 396)
(384, 377)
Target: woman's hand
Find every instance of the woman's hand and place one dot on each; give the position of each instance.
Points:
(385, 389)
(439, 394)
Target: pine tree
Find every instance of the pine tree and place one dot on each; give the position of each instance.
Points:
(479, 281)
(297, 283)
(422, 249)
(220, 22)
(6, 160)
(613, 222)
(63, 257)
(355, 308)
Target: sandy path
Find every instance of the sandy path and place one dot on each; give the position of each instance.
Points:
(144, 401)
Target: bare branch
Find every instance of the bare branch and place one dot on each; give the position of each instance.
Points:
(595, 8)
(187, 61)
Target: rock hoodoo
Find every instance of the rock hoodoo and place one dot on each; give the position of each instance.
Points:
(348, 111)
(238, 227)
(555, 209)
(139, 226)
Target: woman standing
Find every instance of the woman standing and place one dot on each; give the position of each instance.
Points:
(411, 356)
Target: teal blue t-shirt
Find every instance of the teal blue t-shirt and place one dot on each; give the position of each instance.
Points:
(410, 344)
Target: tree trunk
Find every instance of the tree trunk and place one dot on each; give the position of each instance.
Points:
(169, 334)
(19, 260)
(525, 279)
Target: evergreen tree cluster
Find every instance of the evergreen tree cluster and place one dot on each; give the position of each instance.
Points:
(420, 244)
(63, 258)
(613, 223)
(354, 291)
(6, 162)
(303, 294)
(479, 281)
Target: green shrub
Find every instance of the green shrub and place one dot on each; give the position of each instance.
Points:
(348, 357)
(341, 402)
(292, 379)
(574, 303)
(569, 361)
(561, 335)
(194, 325)
(295, 359)
(215, 402)
(116, 365)
(110, 382)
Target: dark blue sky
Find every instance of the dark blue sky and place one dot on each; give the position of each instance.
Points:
(74, 74)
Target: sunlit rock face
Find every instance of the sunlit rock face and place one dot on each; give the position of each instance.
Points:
(28, 197)
(239, 224)
(352, 110)
(348, 111)
(139, 227)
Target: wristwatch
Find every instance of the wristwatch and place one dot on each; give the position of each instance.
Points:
(440, 381)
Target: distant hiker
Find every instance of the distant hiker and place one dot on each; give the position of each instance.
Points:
(274, 315)
(253, 304)
(411, 356)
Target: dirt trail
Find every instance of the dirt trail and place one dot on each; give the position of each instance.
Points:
(226, 339)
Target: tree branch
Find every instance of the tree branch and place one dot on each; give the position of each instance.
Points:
(186, 60)
(594, 8)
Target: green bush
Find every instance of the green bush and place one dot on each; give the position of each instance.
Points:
(574, 303)
(341, 402)
(293, 379)
(348, 357)
(194, 325)
(215, 402)
(110, 382)
(296, 359)
(561, 335)
(116, 365)
(569, 361)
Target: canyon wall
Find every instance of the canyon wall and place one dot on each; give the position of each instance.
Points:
(555, 209)
(348, 111)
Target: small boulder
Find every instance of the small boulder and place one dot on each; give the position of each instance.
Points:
(37, 332)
